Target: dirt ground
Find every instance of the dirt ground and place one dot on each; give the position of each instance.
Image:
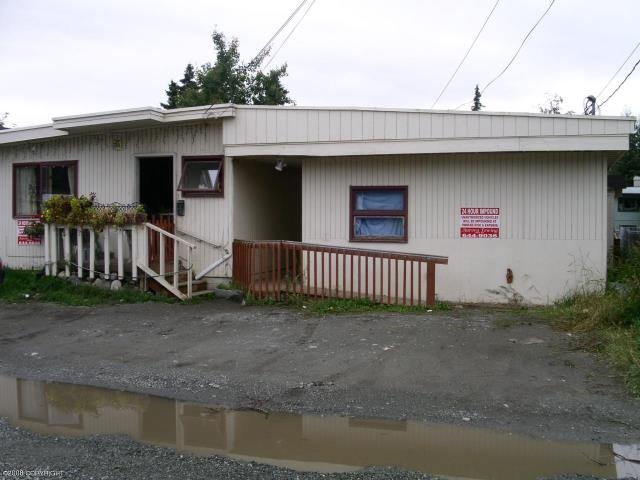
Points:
(493, 368)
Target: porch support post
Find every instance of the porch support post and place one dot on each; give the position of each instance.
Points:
(54, 249)
(120, 255)
(176, 276)
(431, 283)
(162, 257)
(134, 253)
(107, 256)
(92, 253)
(67, 251)
(80, 252)
(47, 246)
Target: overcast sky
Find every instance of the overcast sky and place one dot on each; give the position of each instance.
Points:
(67, 57)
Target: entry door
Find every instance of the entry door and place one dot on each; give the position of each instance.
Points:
(156, 185)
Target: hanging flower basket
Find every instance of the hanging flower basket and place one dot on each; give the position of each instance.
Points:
(84, 211)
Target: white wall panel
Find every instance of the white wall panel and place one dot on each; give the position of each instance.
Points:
(299, 124)
(110, 171)
(553, 215)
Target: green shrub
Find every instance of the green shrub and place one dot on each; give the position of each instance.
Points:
(609, 322)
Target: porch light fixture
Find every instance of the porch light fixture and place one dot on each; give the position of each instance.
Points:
(280, 165)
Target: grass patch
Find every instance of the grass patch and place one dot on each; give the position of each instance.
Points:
(339, 306)
(608, 323)
(23, 286)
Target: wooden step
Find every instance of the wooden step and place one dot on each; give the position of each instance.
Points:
(196, 286)
(202, 292)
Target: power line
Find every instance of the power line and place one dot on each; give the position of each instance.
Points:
(263, 51)
(290, 33)
(466, 54)
(621, 83)
(618, 71)
(519, 48)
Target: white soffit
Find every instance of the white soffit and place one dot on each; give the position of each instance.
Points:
(114, 120)
(26, 134)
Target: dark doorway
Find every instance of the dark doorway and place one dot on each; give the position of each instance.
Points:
(156, 185)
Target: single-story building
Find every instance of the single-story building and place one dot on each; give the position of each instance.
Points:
(515, 204)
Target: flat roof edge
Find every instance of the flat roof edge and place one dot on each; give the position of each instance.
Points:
(25, 134)
(424, 110)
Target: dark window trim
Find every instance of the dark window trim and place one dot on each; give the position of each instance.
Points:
(378, 213)
(203, 158)
(64, 163)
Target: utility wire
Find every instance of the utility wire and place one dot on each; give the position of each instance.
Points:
(520, 47)
(265, 49)
(515, 54)
(618, 71)
(621, 83)
(466, 54)
(290, 33)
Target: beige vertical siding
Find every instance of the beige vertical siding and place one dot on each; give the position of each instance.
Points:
(553, 216)
(111, 172)
(267, 202)
(256, 125)
(541, 196)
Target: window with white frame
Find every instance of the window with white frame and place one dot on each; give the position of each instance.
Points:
(378, 214)
(34, 183)
(202, 176)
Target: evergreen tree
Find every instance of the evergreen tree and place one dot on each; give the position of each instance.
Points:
(228, 80)
(477, 106)
(173, 92)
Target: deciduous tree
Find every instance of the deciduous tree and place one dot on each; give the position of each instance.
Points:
(228, 80)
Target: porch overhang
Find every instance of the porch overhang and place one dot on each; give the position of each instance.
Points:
(611, 143)
(115, 120)
(140, 117)
(340, 131)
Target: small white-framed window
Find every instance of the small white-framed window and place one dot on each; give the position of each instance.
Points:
(202, 176)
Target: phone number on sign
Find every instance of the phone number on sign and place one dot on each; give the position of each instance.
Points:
(480, 235)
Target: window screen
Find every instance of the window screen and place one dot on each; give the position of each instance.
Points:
(201, 176)
(378, 214)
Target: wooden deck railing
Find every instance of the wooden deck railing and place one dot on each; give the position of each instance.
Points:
(166, 224)
(119, 253)
(101, 251)
(276, 268)
(157, 268)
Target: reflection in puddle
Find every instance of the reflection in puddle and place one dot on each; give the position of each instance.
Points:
(304, 442)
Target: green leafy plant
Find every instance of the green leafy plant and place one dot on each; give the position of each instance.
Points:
(83, 211)
(609, 323)
(34, 229)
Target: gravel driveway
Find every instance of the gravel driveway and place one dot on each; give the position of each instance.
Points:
(495, 368)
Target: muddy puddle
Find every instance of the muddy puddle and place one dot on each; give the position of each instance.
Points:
(305, 442)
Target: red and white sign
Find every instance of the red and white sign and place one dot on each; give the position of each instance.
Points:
(479, 222)
(24, 239)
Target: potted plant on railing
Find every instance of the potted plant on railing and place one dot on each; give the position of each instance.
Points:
(84, 211)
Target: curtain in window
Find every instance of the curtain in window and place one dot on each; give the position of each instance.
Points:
(379, 227)
(380, 200)
(71, 178)
(26, 191)
(59, 180)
